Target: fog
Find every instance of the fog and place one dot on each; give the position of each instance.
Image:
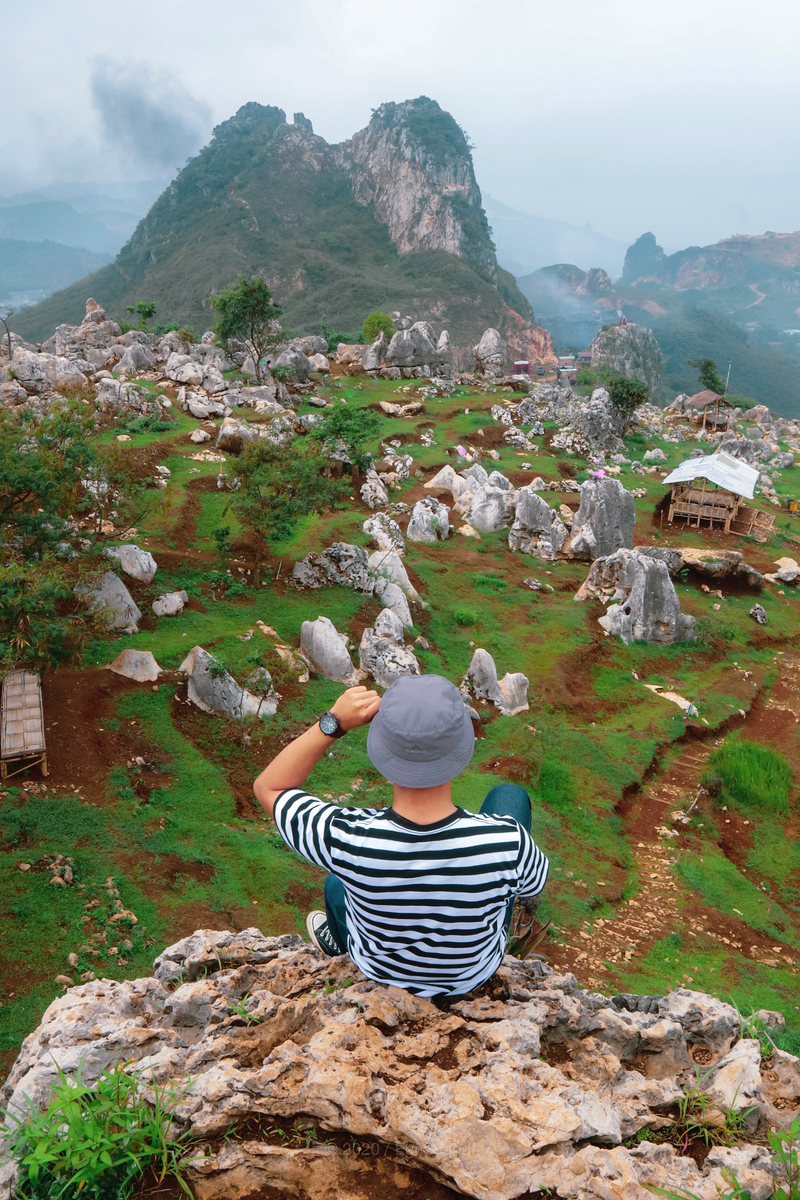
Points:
(629, 116)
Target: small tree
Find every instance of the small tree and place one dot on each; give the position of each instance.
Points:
(4, 319)
(376, 322)
(145, 310)
(350, 428)
(276, 489)
(246, 313)
(627, 394)
(708, 374)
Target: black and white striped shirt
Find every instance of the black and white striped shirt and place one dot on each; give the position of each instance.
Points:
(425, 903)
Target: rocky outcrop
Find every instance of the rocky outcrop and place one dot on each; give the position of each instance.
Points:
(490, 355)
(385, 532)
(113, 603)
(137, 563)
(414, 165)
(430, 521)
(139, 665)
(630, 350)
(537, 528)
(214, 690)
(532, 1083)
(341, 563)
(170, 604)
(383, 653)
(509, 694)
(642, 602)
(604, 521)
(325, 651)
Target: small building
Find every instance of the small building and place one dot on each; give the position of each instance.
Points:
(712, 489)
(522, 367)
(22, 724)
(710, 410)
(584, 358)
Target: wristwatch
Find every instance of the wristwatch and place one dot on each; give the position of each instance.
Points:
(331, 726)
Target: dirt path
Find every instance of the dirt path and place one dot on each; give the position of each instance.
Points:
(606, 945)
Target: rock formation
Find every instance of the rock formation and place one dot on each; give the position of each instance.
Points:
(630, 350)
(139, 665)
(490, 355)
(537, 528)
(385, 532)
(509, 694)
(642, 602)
(112, 600)
(214, 690)
(170, 604)
(532, 1083)
(383, 654)
(137, 563)
(604, 521)
(325, 651)
(430, 521)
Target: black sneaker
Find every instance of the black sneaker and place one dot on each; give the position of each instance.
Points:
(320, 933)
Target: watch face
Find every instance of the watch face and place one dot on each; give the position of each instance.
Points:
(329, 724)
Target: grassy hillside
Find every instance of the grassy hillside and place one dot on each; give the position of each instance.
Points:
(269, 197)
(715, 907)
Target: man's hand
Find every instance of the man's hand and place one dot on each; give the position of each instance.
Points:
(357, 706)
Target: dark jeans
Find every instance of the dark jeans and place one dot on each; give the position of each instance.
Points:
(505, 800)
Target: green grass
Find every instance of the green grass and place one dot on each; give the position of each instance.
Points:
(723, 887)
(754, 776)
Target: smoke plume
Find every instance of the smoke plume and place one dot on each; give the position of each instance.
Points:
(148, 117)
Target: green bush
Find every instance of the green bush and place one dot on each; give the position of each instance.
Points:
(753, 775)
(489, 584)
(95, 1142)
(374, 323)
(464, 615)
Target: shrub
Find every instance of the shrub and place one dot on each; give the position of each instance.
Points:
(753, 775)
(96, 1142)
(489, 584)
(374, 323)
(464, 615)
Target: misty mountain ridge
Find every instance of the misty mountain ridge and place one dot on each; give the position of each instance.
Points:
(392, 218)
(526, 242)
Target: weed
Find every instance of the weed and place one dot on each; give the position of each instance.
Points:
(464, 615)
(753, 775)
(96, 1142)
(489, 584)
(241, 1010)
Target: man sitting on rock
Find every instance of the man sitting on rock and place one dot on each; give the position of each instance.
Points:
(420, 895)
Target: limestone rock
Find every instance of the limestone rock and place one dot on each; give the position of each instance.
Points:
(341, 563)
(199, 436)
(490, 355)
(759, 614)
(326, 653)
(537, 528)
(183, 369)
(788, 571)
(392, 596)
(430, 521)
(387, 565)
(373, 491)
(604, 521)
(215, 691)
(170, 604)
(136, 664)
(720, 564)
(383, 654)
(375, 354)
(113, 600)
(385, 532)
(296, 361)
(642, 602)
(491, 508)
(235, 434)
(630, 350)
(509, 694)
(137, 563)
(449, 480)
(494, 1122)
(414, 347)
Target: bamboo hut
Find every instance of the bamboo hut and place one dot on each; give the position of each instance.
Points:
(711, 490)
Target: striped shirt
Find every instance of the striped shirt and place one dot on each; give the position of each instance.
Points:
(426, 904)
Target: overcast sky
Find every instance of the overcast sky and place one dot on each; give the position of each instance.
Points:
(676, 116)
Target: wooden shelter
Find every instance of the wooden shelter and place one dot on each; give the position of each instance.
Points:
(710, 410)
(22, 724)
(712, 489)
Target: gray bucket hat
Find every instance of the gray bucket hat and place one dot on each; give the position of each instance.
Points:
(422, 734)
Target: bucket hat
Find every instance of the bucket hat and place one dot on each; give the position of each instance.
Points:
(422, 735)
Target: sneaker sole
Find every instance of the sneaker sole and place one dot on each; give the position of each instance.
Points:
(312, 935)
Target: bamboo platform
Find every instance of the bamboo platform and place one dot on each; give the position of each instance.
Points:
(752, 522)
(22, 724)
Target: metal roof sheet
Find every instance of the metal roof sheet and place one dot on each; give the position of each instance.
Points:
(723, 469)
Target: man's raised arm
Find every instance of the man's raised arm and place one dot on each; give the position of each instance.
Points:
(357, 706)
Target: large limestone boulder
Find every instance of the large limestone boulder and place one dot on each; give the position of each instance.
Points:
(444, 353)
(537, 528)
(39, 373)
(170, 604)
(137, 563)
(215, 691)
(642, 602)
(509, 694)
(720, 564)
(112, 600)
(430, 521)
(137, 358)
(492, 508)
(342, 563)
(373, 490)
(520, 1124)
(604, 521)
(183, 369)
(490, 354)
(139, 665)
(375, 354)
(234, 435)
(630, 350)
(325, 651)
(414, 347)
(296, 361)
(449, 480)
(385, 532)
(387, 565)
(787, 572)
(383, 654)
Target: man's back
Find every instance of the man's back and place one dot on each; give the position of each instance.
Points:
(425, 903)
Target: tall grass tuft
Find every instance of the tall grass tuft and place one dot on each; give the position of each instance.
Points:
(753, 775)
